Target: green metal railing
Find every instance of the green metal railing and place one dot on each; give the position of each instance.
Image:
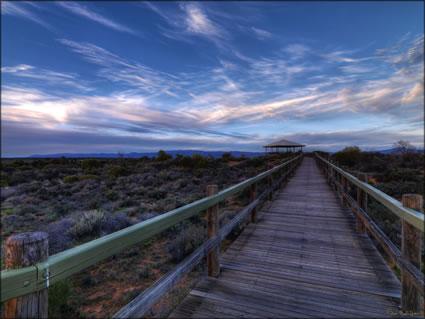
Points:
(22, 281)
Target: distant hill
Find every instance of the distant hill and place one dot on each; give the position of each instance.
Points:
(214, 154)
(398, 150)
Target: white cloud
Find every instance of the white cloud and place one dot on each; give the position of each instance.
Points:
(85, 12)
(261, 34)
(20, 10)
(198, 22)
(297, 50)
(46, 76)
(416, 94)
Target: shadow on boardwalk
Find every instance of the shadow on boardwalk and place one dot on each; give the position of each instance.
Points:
(302, 259)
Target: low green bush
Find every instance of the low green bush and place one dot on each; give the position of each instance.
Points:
(186, 241)
(90, 164)
(71, 179)
(88, 223)
(117, 171)
(59, 295)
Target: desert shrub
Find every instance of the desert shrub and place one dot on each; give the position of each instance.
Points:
(129, 296)
(128, 202)
(90, 164)
(185, 242)
(4, 180)
(19, 177)
(145, 272)
(88, 177)
(227, 157)
(88, 281)
(27, 210)
(93, 203)
(157, 194)
(113, 223)
(163, 156)
(59, 294)
(61, 208)
(88, 223)
(183, 161)
(199, 161)
(163, 176)
(50, 171)
(59, 236)
(117, 171)
(112, 195)
(256, 161)
(71, 179)
(349, 156)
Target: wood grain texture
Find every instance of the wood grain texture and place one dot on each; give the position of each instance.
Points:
(22, 250)
(411, 248)
(213, 262)
(303, 258)
(362, 202)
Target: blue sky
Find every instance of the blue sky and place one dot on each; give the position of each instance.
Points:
(140, 76)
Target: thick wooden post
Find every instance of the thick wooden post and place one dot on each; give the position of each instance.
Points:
(411, 247)
(252, 197)
(22, 250)
(213, 262)
(362, 202)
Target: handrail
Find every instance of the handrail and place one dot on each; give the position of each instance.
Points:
(411, 216)
(138, 307)
(18, 282)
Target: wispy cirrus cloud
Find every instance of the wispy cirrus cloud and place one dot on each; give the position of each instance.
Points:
(190, 20)
(219, 92)
(261, 33)
(22, 10)
(118, 69)
(197, 21)
(206, 102)
(46, 76)
(85, 12)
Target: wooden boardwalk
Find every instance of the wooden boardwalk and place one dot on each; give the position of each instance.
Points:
(302, 259)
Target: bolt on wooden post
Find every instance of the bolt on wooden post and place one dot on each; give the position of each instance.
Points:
(23, 250)
(252, 197)
(213, 262)
(411, 247)
(362, 203)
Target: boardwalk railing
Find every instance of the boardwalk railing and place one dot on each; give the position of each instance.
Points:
(412, 220)
(23, 290)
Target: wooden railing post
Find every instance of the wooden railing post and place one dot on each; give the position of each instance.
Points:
(252, 197)
(270, 182)
(213, 262)
(411, 248)
(344, 183)
(362, 202)
(22, 250)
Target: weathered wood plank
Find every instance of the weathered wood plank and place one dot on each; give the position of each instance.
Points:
(303, 258)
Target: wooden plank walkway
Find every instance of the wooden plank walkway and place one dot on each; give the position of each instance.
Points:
(302, 259)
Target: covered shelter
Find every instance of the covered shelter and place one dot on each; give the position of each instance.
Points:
(283, 146)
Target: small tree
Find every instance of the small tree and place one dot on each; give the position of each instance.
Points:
(404, 147)
(349, 156)
(163, 156)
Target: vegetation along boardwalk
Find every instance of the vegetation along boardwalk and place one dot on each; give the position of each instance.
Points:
(303, 258)
(310, 252)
